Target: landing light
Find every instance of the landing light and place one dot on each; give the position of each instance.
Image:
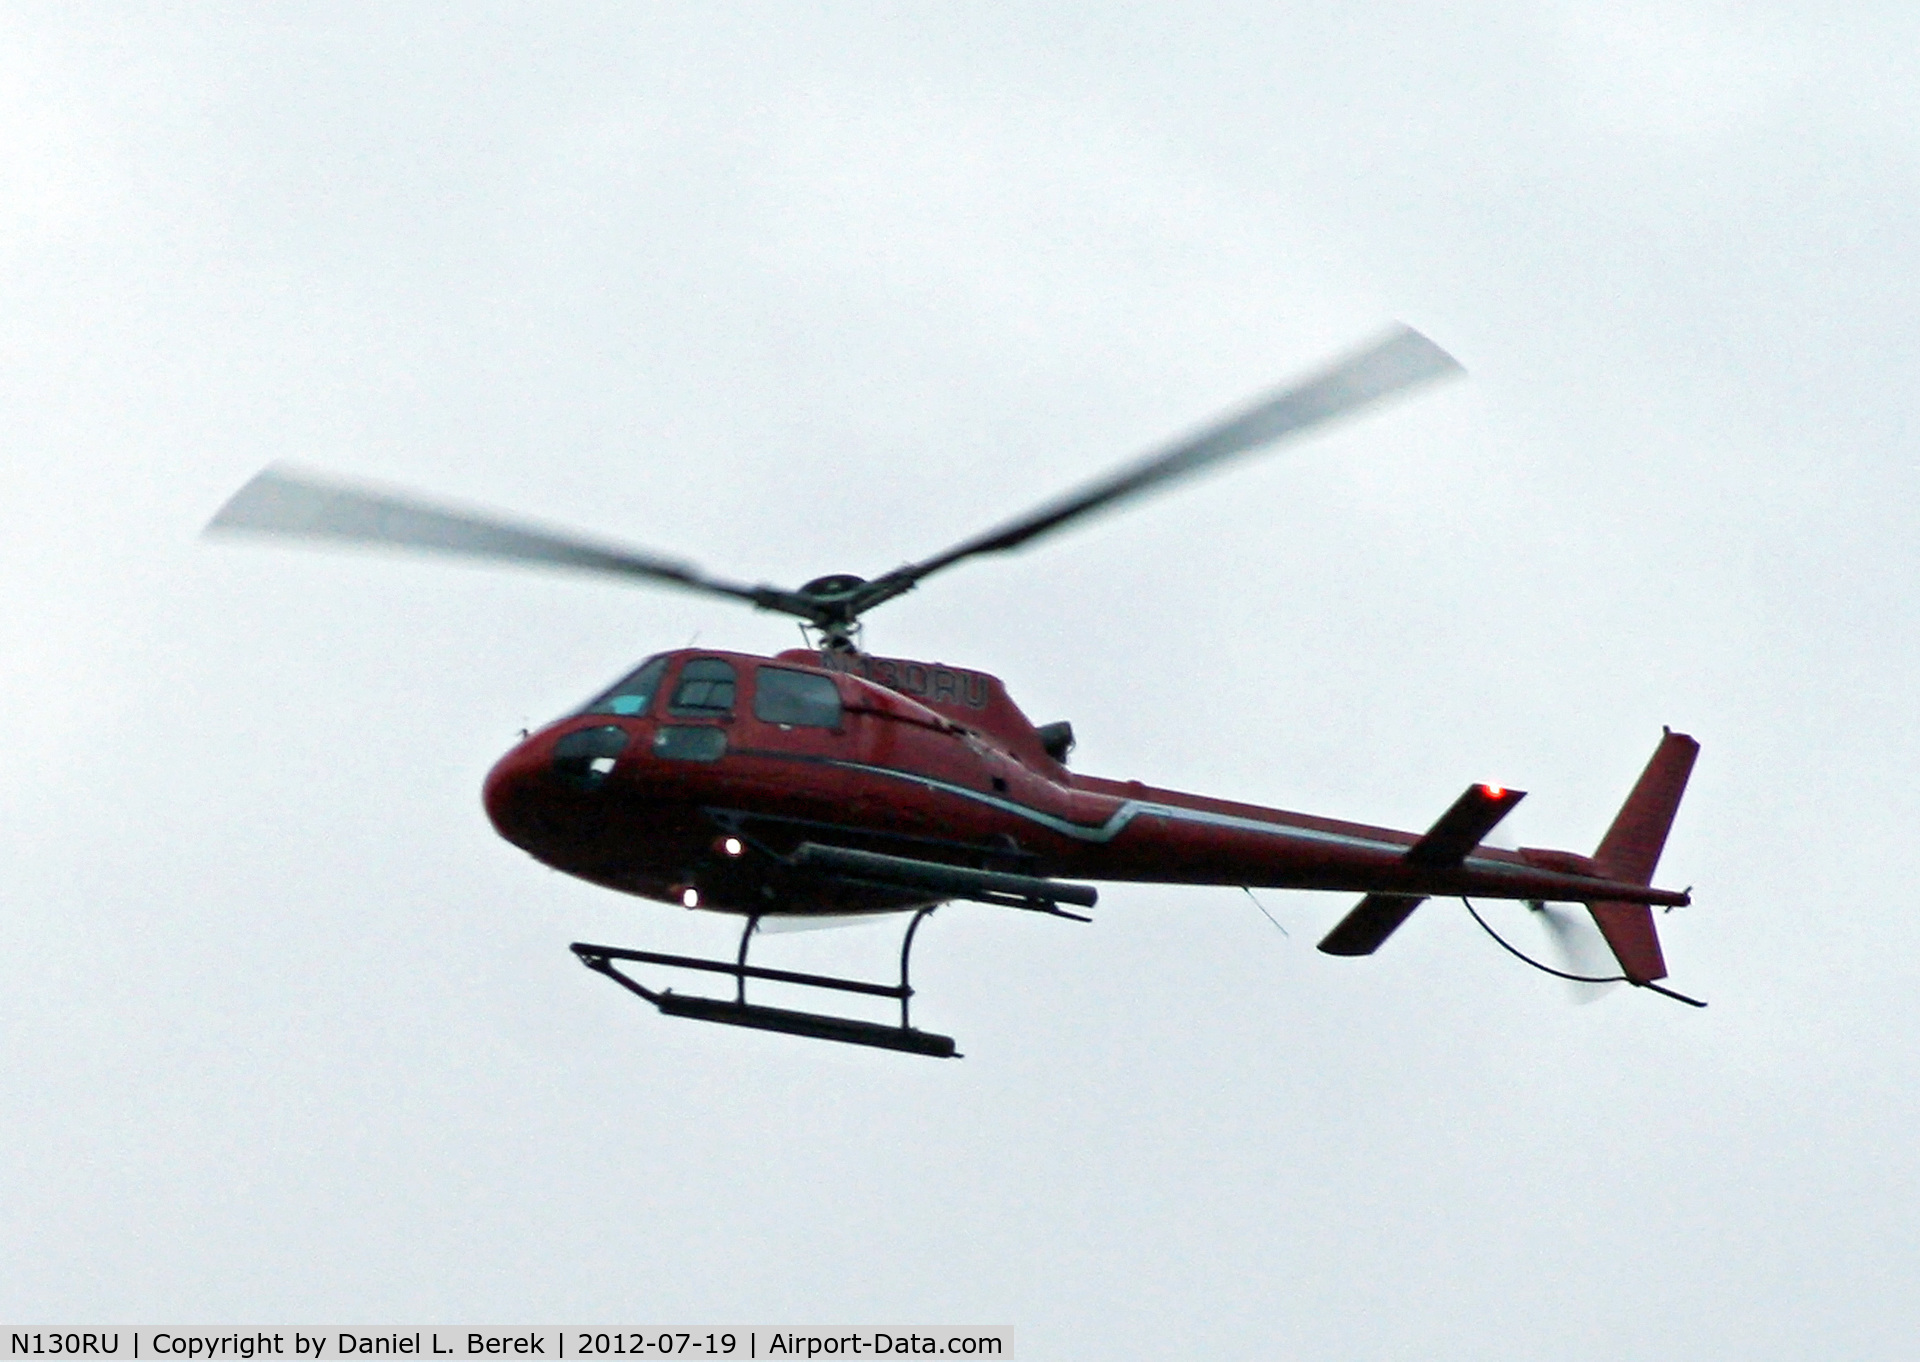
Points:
(732, 846)
(690, 898)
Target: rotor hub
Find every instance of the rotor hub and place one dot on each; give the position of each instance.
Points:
(836, 612)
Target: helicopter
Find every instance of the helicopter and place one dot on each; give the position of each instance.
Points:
(827, 782)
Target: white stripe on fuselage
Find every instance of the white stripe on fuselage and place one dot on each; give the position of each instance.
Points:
(1130, 809)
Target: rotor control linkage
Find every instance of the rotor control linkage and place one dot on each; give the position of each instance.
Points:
(737, 1011)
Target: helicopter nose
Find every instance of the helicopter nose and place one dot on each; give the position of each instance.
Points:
(511, 792)
(535, 792)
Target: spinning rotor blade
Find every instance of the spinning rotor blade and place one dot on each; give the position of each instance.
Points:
(281, 502)
(1579, 948)
(1401, 359)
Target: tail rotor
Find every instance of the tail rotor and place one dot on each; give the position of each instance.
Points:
(1574, 946)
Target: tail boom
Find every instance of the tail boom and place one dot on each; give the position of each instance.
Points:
(1616, 882)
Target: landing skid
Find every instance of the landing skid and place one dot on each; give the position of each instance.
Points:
(737, 1011)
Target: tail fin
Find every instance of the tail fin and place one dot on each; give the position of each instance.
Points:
(1631, 850)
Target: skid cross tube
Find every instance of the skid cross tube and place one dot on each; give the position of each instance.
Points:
(596, 957)
(739, 1012)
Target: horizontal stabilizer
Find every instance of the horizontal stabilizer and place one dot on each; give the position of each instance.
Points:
(1463, 827)
(1376, 918)
(1446, 844)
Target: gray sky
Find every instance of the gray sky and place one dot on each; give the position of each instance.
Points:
(291, 1037)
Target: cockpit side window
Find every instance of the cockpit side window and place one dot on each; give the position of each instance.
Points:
(706, 688)
(633, 695)
(807, 699)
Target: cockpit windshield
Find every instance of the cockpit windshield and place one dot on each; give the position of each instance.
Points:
(633, 695)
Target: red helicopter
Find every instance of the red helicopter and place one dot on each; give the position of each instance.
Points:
(826, 781)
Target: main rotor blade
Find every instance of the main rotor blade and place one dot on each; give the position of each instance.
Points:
(1399, 360)
(281, 502)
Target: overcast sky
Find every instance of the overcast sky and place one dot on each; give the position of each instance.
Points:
(291, 1038)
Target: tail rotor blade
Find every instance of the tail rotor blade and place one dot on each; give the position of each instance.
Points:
(1576, 947)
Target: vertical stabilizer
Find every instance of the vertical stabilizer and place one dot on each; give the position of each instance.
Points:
(1631, 850)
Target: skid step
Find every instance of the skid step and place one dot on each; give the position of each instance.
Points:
(816, 1025)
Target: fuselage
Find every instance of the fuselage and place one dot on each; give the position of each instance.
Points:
(695, 778)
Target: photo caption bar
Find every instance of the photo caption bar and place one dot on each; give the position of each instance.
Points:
(357, 1345)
